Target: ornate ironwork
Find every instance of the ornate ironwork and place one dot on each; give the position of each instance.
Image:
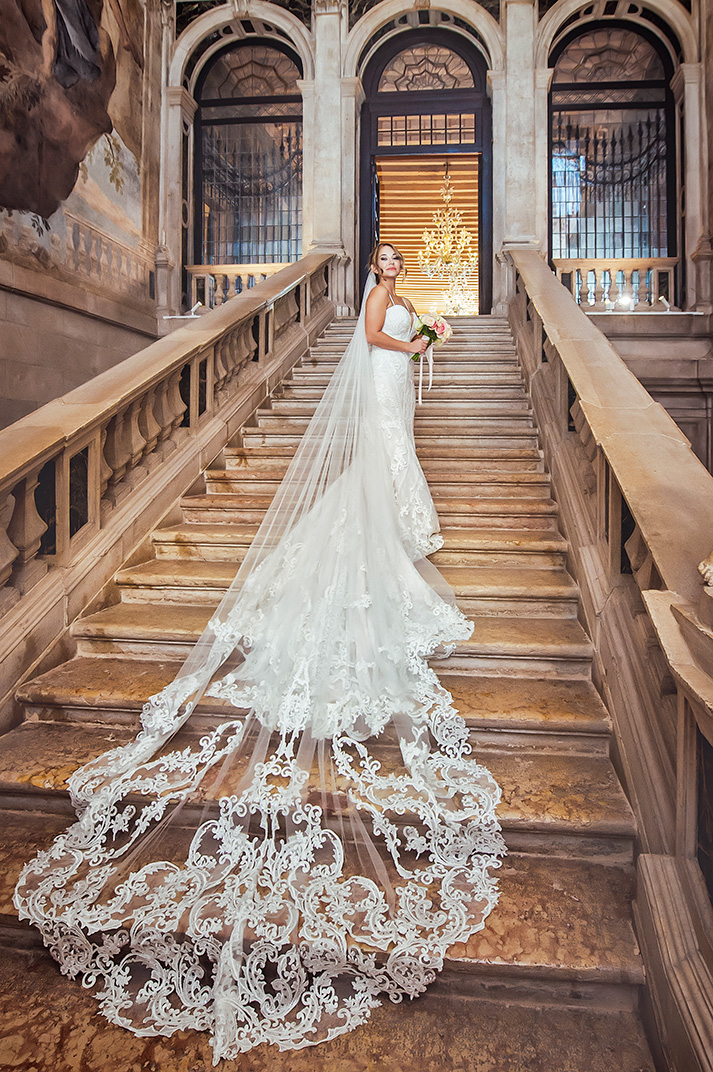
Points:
(187, 11)
(357, 8)
(425, 68)
(611, 169)
(249, 158)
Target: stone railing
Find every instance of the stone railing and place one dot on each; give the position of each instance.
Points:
(87, 251)
(83, 254)
(86, 477)
(627, 284)
(213, 284)
(637, 508)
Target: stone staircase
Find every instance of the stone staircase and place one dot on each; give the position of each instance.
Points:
(552, 983)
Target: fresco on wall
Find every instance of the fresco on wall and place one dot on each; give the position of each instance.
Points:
(57, 74)
(71, 123)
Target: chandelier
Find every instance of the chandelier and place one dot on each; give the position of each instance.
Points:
(448, 256)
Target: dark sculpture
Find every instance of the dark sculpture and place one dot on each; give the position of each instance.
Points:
(57, 73)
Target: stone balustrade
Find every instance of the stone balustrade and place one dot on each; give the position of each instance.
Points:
(629, 284)
(75, 492)
(90, 252)
(213, 284)
(637, 508)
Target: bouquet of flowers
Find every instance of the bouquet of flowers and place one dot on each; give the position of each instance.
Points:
(433, 328)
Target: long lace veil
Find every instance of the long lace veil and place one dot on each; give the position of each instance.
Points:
(298, 828)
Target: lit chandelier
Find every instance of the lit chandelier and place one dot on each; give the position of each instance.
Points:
(448, 254)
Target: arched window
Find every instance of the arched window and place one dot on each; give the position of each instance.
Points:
(248, 152)
(612, 158)
(426, 113)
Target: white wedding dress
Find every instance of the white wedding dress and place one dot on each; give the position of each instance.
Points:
(299, 829)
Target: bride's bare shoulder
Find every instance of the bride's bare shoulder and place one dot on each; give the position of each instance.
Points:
(378, 299)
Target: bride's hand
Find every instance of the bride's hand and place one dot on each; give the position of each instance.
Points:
(419, 344)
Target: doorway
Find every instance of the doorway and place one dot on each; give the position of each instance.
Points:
(409, 194)
(425, 105)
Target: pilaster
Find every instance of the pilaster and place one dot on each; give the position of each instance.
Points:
(521, 220)
(687, 86)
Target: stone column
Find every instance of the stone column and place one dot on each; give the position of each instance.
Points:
(521, 223)
(543, 77)
(180, 108)
(687, 85)
(496, 89)
(352, 100)
(326, 133)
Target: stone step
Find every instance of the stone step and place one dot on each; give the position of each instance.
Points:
(313, 376)
(444, 484)
(432, 459)
(488, 512)
(456, 393)
(524, 713)
(446, 424)
(445, 409)
(445, 445)
(554, 1029)
(499, 547)
(493, 512)
(536, 933)
(553, 803)
(545, 647)
(548, 592)
(442, 370)
(488, 547)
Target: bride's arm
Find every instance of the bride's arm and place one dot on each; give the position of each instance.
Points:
(376, 306)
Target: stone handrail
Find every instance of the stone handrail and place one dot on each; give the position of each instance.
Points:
(67, 468)
(644, 282)
(636, 506)
(213, 284)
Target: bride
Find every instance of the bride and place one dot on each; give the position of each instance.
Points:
(298, 830)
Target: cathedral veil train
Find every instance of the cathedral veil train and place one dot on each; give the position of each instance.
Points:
(299, 828)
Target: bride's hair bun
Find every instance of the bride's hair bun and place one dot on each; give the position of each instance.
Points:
(374, 257)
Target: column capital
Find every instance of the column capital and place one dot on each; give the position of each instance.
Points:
(543, 77)
(179, 95)
(328, 7)
(352, 87)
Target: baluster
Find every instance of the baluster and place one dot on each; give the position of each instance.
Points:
(104, 468)
(583, 285)
(117, 454)
(221, 365)
(219, 289)
(124, 271)
(149, 426)
(178, 406)
(25, 530)
(615, 291)
(598, 288)
(95, 255)
(135, 441)
(8, 553)
(162, 410)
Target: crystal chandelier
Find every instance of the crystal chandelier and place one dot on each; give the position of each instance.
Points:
(448, 255)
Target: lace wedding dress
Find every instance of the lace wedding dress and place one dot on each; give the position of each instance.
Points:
(298, 830)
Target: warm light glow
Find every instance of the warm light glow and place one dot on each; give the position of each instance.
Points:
(448, 255)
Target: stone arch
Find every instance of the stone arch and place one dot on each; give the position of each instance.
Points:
(387, 10)
(671, 12)
(299, 37)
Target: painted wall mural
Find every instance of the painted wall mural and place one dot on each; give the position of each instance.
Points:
(57, 74)
(72, 126)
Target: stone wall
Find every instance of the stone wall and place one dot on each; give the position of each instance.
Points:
(78, 238)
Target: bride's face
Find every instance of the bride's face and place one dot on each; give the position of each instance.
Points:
(389, 262)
